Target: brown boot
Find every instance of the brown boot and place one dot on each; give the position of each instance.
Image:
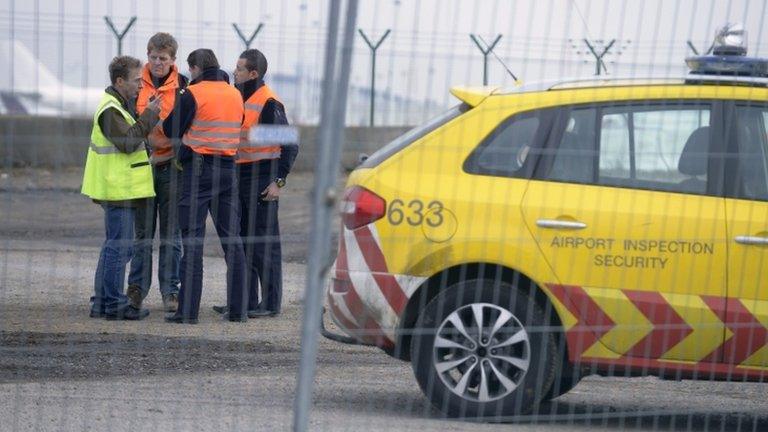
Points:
(170, 302)
(134, 296)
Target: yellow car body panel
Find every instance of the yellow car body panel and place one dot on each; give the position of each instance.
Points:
(439, 216)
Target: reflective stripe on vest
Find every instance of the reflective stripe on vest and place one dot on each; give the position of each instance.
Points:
(104, 150)
(220, 124)
(216, 127)
(253, 151)
(255, 157)
(109, 174)
(201, 132)
(192, 142)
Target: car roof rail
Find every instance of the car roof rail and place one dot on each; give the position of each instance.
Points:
(594, 82)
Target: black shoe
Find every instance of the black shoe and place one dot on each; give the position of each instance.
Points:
(128, 313)
(171, 302)
(134, 296)
(179, 319)
(235, 318)
(252, 313)
(97, 314)
(262, 313)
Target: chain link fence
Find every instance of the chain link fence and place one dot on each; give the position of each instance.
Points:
(503, 215)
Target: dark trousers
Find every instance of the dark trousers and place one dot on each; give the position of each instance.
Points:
(209, 184)
(162, 209)
(260, 231)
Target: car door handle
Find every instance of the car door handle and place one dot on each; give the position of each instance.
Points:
(752, 240)
(560, 224)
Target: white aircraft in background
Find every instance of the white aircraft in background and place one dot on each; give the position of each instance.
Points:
(28, 87)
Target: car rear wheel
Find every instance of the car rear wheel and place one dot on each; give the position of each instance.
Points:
(565, 381)
(482, 349)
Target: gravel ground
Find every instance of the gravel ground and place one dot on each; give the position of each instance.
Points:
(60, 370)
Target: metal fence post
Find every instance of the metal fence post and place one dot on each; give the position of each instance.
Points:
(323, 201)
(693, 48)
(600, 64)
(247, 41)
(119, 35)
(374, 48)
(485, 54)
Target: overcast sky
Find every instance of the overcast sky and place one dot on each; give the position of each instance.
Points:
(428, 50)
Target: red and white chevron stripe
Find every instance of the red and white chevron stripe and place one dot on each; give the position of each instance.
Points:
(746, 335)
(365, 299)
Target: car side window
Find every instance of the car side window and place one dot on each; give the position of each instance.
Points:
(752, 142)
(615, 159)
(641, 146)
(574, 157)
(511, 147)
(672, 147)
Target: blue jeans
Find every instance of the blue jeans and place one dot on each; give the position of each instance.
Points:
(115, 253)
(209, 185)
(163, 207)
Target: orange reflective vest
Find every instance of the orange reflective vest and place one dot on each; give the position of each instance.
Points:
(215, 130)
(162, 150)
(252, 152)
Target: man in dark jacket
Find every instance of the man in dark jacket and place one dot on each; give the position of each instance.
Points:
(208, 119)
(262, 171)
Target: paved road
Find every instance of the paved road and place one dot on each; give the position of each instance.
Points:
(60, 370)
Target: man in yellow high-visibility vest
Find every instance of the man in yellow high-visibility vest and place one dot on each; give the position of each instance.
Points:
(118, 177)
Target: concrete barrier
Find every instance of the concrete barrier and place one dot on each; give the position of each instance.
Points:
(357, 140)
(43, 141)
(59, 142)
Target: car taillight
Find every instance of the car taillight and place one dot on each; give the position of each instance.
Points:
(361, 207)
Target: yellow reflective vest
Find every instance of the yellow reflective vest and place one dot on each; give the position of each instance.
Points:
(111, 175)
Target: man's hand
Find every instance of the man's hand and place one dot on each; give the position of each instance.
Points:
(271, 193)
(154, 104)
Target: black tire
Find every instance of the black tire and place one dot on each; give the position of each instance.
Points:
(567, 374)
(565, 381)
(457, 391)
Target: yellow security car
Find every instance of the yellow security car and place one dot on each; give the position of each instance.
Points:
(533, 235)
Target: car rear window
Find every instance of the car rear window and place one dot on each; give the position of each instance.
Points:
(413, 135)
